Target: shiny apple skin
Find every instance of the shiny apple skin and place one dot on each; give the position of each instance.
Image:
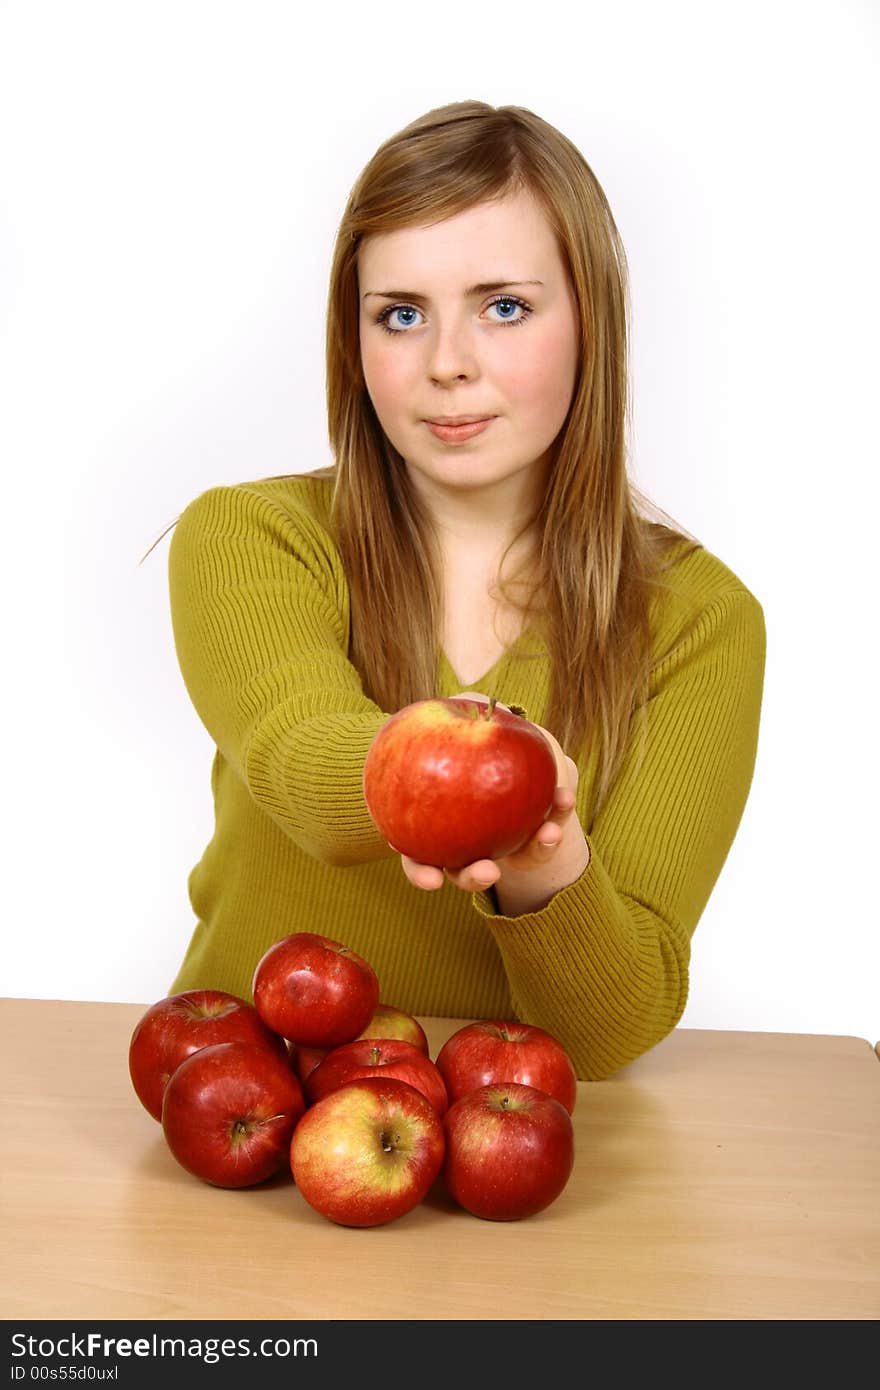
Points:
(314, 991)
(509, 1151)
(368, 1152)
(382, 1057)
(305, 1059)
(504, 1050)
(174, 1027)
(389, 1022)
(229, 1113)
(448, 782)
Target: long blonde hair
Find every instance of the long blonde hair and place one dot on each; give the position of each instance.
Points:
(598, 557)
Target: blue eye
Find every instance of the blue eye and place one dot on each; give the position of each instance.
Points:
(396, 309)
(512, 300)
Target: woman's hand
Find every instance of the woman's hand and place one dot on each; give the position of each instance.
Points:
(526, 880)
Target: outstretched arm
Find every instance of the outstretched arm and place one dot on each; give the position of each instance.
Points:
(260, 618)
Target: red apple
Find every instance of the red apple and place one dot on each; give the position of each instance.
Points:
(367, 1152)
(509, 1151)
(305, 1059)
(450, 781)
(496, 1050)
(183, 1023)
(378, 1057)
(229, 1113)
(388, 1022)
(314, 991)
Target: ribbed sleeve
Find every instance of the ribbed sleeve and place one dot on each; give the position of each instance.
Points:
(604, 966)
(260, 627)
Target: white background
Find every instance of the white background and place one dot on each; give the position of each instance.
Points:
(172, 177)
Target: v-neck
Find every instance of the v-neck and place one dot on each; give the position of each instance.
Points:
(478, 681)
(529, 631)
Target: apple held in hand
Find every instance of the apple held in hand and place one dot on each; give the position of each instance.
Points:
(383, 1057)
(183, 1023)
(496, 1050)
(229, 1113)
(509, 1151)
(314, 990)
(448, 782)
(368, 1152)
(388, 1022)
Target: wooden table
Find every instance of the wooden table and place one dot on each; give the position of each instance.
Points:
(722, 1176)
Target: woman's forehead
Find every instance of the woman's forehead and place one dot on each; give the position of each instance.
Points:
(508, 240)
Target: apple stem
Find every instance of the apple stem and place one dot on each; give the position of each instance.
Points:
(490, 708)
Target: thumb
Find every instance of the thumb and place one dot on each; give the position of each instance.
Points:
(566, 767)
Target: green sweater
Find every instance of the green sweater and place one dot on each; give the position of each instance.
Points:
(260, 614)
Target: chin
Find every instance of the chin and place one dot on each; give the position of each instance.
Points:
(467, 469)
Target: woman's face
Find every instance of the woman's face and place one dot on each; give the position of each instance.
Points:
(437, 341)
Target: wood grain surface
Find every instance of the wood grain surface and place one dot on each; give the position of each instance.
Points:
(723, 1175)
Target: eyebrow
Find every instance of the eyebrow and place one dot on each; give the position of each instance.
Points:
(474, 290)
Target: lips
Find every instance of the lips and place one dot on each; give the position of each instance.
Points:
(458, 434)
(457, 419)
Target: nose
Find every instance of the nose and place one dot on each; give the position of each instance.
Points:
(451, 352)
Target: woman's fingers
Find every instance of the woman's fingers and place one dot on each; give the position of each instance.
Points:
(477, 877)
(422, 875)
(563, 804)
(566, 767)
(539, 849)
(474, 878)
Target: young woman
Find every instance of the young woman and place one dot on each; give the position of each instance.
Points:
(477, 276)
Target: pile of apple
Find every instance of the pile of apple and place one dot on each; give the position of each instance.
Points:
(320, 1075)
